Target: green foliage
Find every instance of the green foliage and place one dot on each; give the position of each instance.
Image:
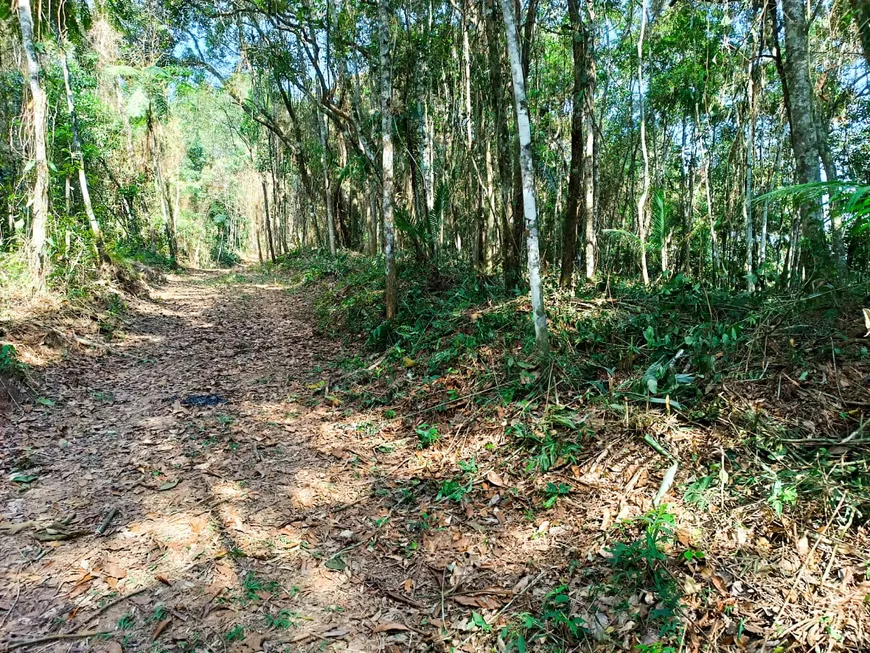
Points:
(553, 492)
(235, 634)
(848, 199)
(427, 433)
(553, 626)
(453, 490)
(781, 495)
(126, 622)
(10, 365)
(160, 612)
(641, 566)
(253, 586)
(547, 448)
(282, 620)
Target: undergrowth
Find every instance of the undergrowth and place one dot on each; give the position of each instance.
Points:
(668, 345)
(750, 371)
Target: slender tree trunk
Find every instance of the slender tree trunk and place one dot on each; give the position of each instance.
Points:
(39, 198)
(491, 228)
(575, 171)
(79, 159)
(166, 207)
(391, 294)
(749, 138)
(327, 193)
(823, 129)
(528, 179)
(269, 239)
(642, 209)
(590, 174)
(508, 263)
(804, 139)
(762, 245)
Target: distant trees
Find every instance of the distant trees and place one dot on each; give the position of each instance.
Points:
(647, 145)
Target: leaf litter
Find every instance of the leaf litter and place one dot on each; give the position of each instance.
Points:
(291, 516)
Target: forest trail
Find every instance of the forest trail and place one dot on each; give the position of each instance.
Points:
(289, 517)
(230, 519)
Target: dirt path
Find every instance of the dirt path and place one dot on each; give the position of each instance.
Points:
(288, 517)
(231, 520)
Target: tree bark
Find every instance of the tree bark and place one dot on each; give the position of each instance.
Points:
(749, 138)
(509, 262)
(38, 259)
(270, 240)
(804, 139)
(642, 209)
(589, 159)
(327, 193)
(575, 171)
(391, 294)
(528, 180)
(837, 245)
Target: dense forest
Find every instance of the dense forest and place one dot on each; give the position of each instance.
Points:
(435, 325)
(722, 141)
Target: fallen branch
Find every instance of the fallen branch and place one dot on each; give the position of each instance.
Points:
(108, 520)
(454, 400)
(56, 637)
(114, 603)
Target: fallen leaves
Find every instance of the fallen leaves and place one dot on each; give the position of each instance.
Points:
(305, 483)
(335, 563)
(58, 531)
(486, 602)
(160, 627)
(389, 626)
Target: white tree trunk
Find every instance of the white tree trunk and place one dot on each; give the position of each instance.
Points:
(79, 158)
(327, 191)
(391, 294)
(747, 199)
(589, 162)
(39, 223)
(528, 180)
(642, 209)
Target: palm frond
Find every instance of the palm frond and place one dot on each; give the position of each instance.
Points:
(626, 236)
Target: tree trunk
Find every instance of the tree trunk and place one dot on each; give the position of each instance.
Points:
(749, 138)
(590, 182)
(391, 294)
(837, 246)
(528, 179)
(79, 159)
(804, 140)
(575, 172)
(269, 239)
(39, 205)
(508, 262)
(330, 211)
(861, 12)
(642, 209)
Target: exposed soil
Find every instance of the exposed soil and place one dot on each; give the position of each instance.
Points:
(251, 509)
